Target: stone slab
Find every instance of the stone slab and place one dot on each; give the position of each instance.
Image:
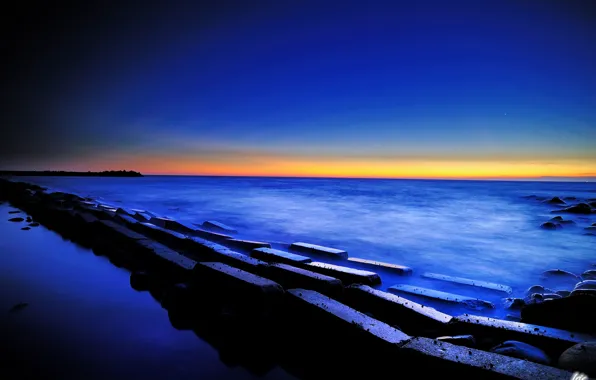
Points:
(347, 275)
(247, 245)
(412, 317)
(436, 295)
(209, 251)
(469, 282)
(166, 254)
(308, 248)
(217, 226)
(378, 265)
(278, 256)
(292, 277)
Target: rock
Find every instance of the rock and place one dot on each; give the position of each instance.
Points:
(16, 219)
(534, 298)
(34, 224)
(14, 212)
(521, 350)
(591, 228)
(585, 285)
(563, 293)
(537, 289)
(556, 201)
(589, 275)
(459, 340)
(514, 303)
(26, 228)
(574, 313)
(140, 280)
(580, 208)
(559, 273)
(580, 357)
(18, 307)
(551, 296)
(556, 219)
(29, 220)
(593, 204)
(550, 226)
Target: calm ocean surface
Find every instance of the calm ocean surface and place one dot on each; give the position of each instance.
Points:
(477, 229)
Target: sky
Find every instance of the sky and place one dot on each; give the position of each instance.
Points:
(407, 89)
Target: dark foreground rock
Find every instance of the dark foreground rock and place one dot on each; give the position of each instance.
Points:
(574, 313)
(580, 208)
(556, 201)
(550, 226)
(16, 219)
(580, 358)
(522, 350)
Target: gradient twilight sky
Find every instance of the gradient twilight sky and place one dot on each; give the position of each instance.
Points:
(304, 88)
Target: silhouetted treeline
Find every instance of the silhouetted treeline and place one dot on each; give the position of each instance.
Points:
(52, 173)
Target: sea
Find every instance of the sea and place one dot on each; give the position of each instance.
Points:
(481, 230)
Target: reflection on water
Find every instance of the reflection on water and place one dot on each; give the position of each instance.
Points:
(84, 321)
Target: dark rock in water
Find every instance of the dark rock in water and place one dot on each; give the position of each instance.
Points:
(521, 350)
(514, 303)
(559, 273)
(34, 224)
(14, 212)
(538, 289)
(16, 219)
(580, 208)
(556, 218)
(556, 201)
(585, 285)
(560, 220)
(573, 313)
(589, 275)
(140, 280)
(563, 293)
(459, 340)
(534, 298)
(29, 220)
(594, 224)
(26, 228)
(551, 296)
(18, 307)
(580, 358)
(550, 226)
(591, 228)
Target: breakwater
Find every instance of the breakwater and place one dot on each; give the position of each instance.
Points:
(306, 295)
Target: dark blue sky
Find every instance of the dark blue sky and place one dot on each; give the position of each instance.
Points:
(334, 84)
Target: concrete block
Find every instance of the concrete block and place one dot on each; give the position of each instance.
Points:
(433, 358)
(217, 226)
(170, 238)
(308, 248)
(125, 219)
(468, 282)
(331, 321)
(292, 277)
(210, 251)
(120, 232)
(278, 256)
(165, 254)
(551, 340)
(381, 266)
(347, 275)
(246, 245)
(208, 235)
(436, 295)
(247, 292)
(412, 317)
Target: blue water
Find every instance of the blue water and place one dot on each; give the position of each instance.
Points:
(482, 230)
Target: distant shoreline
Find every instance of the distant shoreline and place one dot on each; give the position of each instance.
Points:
(51, 173)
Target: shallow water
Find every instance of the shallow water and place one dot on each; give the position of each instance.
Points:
(84, 321)
(483, 230)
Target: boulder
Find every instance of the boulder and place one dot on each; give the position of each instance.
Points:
(537, 289)
(16, 219)
(556, 201)
(585, 285)
(533, 298)
(556, 219)
(522, 350)
(550, 226)
(459, 340)
(514, 303)
(580, 358)
(589, 275)
(559, 273)
(560, 220)
(580, 208)
(551, 296)
(575, 313)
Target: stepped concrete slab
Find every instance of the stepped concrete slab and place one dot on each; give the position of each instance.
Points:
(208, 235)
(473, 303)
(217, 226)
(378, 265)
(292, 277)
(395, 310)
(141, 217)
(125, 211)
(125, 218)
(278, 256)
(210, 251)
(347, 275)
(239, 287)
(334, 319)
(469, 282)
(552, 340)
(246, 245)
(308, 248)
(166, 254)
(171, 238)
(173, 225)
(85, 217)
(120, 232)
(435, 358)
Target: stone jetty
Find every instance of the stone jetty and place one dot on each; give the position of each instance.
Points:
(311, 296)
